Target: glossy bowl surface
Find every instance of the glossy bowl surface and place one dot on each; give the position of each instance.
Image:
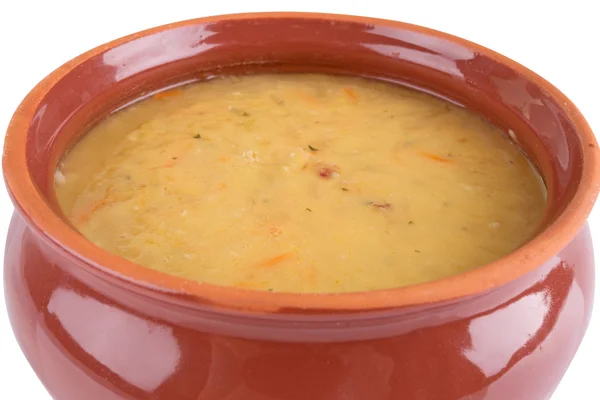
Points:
(95, 326)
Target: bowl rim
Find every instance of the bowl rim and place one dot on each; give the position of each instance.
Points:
(51, 228)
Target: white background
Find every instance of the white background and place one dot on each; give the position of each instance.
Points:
(558, 40)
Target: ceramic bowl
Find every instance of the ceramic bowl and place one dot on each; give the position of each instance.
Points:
(97, 327)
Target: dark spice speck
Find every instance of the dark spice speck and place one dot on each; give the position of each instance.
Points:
(381, 206)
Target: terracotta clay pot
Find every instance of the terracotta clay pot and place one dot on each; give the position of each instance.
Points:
(97, 327)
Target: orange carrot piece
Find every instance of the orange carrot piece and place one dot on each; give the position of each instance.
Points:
(350, 93)
(169, 163)
(270, 262)
(434, 157)
(167, 93)
(309, 98)
(95, 207)
(104, 201)
(88, 214)
(275, 231)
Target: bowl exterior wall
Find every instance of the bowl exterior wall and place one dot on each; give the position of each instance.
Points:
(83, 342)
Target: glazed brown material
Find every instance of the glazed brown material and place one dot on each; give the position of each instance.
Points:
(95, 326)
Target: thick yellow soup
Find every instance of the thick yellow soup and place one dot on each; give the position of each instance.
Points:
(300, 183)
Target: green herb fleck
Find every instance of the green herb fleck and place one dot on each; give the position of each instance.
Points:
(308, 209)
(197, 136)
(128, 177)
(270, 289)
(312, 148)
(345, 189)
(417, 251)
(245, 114)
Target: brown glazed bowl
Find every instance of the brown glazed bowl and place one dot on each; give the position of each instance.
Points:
(97, 327)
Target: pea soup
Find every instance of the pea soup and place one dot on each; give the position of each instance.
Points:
(300, 183)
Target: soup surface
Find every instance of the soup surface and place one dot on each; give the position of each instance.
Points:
(300, 183)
